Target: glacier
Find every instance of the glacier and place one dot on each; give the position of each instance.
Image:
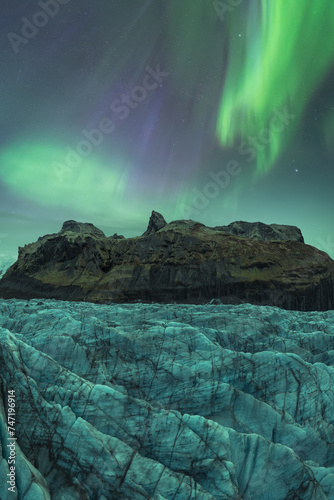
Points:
(151, 401)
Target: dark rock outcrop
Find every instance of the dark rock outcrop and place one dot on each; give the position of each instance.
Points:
(82, 228)
(116, 236)
(155, 223)
(262, 232)
(184, 261)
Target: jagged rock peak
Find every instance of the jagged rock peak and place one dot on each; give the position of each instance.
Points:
(116, 236)
(155, 223)
(82, 227)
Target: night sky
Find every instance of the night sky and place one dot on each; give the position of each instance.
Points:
(214, 111)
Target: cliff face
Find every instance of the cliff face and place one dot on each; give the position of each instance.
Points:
(183, 261)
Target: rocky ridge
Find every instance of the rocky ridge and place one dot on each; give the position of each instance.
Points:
(262, 232)
(182, 261)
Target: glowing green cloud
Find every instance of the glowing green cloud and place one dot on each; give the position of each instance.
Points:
(98, 190)
(91, 188)
(275, 64)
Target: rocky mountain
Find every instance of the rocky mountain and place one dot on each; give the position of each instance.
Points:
(182, 261)
(153, 402)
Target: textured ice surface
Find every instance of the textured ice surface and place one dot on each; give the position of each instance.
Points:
(168, 401)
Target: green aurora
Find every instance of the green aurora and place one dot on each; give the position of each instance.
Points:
(287, 54)
(232, 75)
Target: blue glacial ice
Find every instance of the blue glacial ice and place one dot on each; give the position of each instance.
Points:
(149, 401)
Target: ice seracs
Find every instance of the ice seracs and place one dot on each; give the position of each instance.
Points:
(169, 401)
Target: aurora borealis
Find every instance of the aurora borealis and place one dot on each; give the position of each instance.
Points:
(211, 110)
(279, 39)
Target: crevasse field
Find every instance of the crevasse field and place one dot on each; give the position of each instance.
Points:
(171, 401)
